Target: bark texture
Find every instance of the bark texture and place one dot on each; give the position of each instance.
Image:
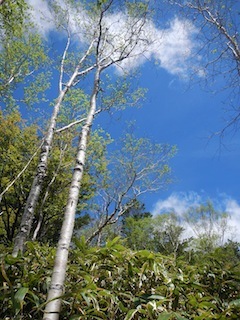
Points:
(53, 306)
(36, 188)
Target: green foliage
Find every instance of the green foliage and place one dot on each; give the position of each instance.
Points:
(137, 166)
(161, 233)
(57, 182)
(22, 50)
(74, 107)
(167, 235)
(17, 144)
(24, 282)
(142, 164)
(13, 13)
(113, 282)
(139, 233)
(121, 92)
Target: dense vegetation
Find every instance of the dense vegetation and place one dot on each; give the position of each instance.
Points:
(114, 282)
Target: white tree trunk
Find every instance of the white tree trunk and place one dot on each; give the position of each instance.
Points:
(28, 215)
(53, 306)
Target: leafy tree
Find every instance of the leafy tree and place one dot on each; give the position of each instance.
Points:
(161, 233)
(17, 142)
(22, 49)
(36, 188)
(137, 211)
(139, 233)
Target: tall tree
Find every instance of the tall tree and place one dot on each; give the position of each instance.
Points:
(36, 188)
(108, 51)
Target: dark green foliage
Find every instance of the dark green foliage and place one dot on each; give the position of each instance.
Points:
(113, 282)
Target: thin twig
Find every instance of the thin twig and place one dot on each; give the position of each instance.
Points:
(21, 172)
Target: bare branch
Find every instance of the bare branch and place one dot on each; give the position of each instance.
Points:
(70, 125)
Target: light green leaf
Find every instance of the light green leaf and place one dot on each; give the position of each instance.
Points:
(131, 314)
(165, 316)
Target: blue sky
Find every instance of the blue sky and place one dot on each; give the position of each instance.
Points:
(178, 112)
(173, 112)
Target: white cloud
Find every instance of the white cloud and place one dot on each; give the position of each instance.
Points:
(175, 46)
(171, 47)
(233, 208)
(180, 202)
(41, 16)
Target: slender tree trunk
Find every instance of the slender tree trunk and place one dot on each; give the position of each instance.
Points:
(36, 188)
(41, 214)
(53, 306)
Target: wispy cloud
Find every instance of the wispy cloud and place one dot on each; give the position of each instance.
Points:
(179, 203)
(41, 16)
(171, 47)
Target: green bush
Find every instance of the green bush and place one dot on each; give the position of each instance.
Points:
(114, 282)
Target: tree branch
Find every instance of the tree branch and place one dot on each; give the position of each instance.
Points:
(21, 172)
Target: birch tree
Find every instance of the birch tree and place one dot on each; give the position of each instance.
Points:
(110, 49)
(28, 215)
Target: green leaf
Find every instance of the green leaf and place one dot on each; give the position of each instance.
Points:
(156, 297)
(20, 294)
(34, 298)
(111, 243)
(9, 259)
(88, 302)
(165, 316)
(131, 314)
(81, 243)
(18, 299)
